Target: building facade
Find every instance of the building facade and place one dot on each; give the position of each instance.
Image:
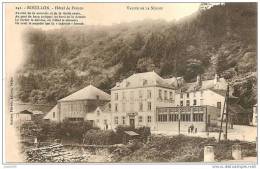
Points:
(75, 106)
(101, 117)
(145, 99)
(182, 117)
(21, 117)
(203, 93)
(135, 99)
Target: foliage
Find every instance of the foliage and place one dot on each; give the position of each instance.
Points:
(99, 137)
(180, 149)
(48, 131)
(59, 62)
(73, 130)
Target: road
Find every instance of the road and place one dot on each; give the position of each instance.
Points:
(239, 132)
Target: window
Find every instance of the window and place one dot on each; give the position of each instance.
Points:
(181, 95)
(187, 103)
(140, 94)
(173, 117)
(140, 106)
(123, 119)
(116, 96)
(165, 95)
(194, 102)
(116, 107)
(201, 93)
(149, 94)
(98, 113)
(140, 119)
(132, 95)
(123, 95)
(116, 120)
(162, 117)
(149, 119)
(123, 107)
(160, 94)
(171, 97)
(188, 95)
(198, 117)
(219, 105)
(105, 122)
(144, 82)
(194, 94)
(181, 103)
(53, 114)
(149, 104)
(201, 102)
(185, 117)
(97, 97)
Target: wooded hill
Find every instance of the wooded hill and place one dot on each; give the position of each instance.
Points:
(221, 40)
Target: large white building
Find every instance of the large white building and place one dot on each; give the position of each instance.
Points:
(135, 99)
(146, 99)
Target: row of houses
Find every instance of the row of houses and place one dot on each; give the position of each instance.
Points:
(146, 99)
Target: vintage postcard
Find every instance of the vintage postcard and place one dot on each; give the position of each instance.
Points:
(172, 83)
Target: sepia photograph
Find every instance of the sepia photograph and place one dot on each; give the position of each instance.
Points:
(171, 83)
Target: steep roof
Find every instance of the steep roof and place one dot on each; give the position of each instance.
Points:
(237, 109)
(146, 79)
(49, 114)
(24, 112)
(88, 93)
(218, 86)
(223, 93)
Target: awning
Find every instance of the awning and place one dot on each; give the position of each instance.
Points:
(131, 133)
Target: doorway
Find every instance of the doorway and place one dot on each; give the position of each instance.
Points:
(132, 122)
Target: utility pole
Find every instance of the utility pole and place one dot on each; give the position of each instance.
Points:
(222, 116)
(227, 100)
(179, 121)
(225, 107)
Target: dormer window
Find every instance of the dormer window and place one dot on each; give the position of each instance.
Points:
(116, 96)
(127, 84)
(145, 82)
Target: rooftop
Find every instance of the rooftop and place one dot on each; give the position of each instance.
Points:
(146, 79)
(88, 93)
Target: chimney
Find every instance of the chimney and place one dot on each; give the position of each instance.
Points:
(216, 79)
(199, 82)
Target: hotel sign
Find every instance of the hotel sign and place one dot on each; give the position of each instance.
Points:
(132, 114)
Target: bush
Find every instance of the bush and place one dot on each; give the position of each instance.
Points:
(73, 130)
(98, 137)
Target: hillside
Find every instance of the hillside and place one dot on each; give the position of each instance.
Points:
(221, 40)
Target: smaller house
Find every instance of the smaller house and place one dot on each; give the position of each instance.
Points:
(100, 117)
(21, 117)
